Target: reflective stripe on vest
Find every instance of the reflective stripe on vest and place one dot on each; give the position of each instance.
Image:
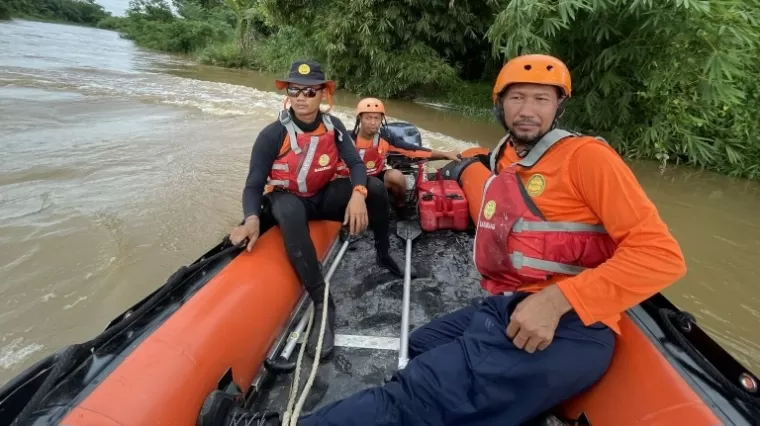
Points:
(287, 121)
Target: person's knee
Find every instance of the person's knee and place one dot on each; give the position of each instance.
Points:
(422, 340)
(286, 207)
(394, 179)
(376, 189)
(417, 340)
(587, 352)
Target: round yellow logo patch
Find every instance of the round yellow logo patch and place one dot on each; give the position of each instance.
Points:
(536, 185)
(323, 160)
(304, 69)
(370, 164)
(489, 209)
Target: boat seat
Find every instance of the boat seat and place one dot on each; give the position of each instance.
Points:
(641, 387)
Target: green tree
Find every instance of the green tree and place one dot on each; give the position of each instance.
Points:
(389, 47)
(83, 12)
(663, 79)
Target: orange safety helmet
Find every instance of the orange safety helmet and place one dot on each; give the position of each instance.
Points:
(536, 69)
(370, 105)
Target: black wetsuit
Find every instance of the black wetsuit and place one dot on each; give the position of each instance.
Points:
(292, 212)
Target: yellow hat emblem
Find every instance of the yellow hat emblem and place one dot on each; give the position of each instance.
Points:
(323, 160)
(304, 69)
(536, 185)
(370, 164)
(489, 209)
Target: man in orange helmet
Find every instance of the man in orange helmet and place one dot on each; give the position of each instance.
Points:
(566, 242)
(374, 141)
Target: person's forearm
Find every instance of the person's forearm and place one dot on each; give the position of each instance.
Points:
(438, 155)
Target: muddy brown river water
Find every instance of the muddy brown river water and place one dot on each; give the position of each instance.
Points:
(118, 165)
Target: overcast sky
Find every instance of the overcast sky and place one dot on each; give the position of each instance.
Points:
(116, 7)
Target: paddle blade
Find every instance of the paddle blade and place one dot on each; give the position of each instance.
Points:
(408, 229)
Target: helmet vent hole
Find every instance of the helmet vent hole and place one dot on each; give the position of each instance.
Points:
(528, 67)
(549, 67)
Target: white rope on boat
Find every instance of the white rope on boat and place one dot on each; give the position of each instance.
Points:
(290, 418)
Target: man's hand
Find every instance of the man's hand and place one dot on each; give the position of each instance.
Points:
(249, 230)
(356, 214)
(452, 155)
(534, 320)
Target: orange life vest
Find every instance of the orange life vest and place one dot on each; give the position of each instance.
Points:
(372, 152)
(307, 161)
(514, 243)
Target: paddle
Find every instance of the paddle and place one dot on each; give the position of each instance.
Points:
(408, 230)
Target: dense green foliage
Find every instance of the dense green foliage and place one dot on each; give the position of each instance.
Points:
(674, 80)
(151, 24)
(83, 12)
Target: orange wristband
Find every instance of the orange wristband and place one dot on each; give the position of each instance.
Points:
(361, 189)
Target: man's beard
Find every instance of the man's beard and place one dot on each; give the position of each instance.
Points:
(525, 138)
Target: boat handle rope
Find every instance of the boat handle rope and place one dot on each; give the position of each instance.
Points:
(73, 354)
(676, 323)
(290, 417)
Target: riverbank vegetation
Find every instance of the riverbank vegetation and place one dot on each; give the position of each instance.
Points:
(673, 80)
(81, 12)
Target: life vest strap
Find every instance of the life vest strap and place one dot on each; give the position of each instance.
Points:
(281, 166)
(327, 121)
(290, 126)
(496, 153)
(306, 166)
(287, 121)
(547, 226)
(543, 145)
(538, 150)
(520, 261)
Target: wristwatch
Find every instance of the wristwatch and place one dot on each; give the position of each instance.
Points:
(361, 189)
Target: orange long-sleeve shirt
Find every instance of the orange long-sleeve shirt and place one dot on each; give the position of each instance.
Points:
(590, 183)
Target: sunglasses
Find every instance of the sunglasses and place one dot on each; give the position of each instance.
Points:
(309, 92)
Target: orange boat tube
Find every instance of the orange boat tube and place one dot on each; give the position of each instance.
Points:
(232, 314)
(230, 323)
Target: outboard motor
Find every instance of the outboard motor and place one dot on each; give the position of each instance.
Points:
(410, 134)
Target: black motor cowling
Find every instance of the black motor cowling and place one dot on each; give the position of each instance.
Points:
(409, 133)
(406, 131)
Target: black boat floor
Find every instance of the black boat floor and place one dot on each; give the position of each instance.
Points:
(368, 313)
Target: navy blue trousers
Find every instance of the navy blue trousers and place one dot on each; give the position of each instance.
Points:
(465, 371)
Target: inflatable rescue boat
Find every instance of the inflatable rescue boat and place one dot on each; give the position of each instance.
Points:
(231, 324)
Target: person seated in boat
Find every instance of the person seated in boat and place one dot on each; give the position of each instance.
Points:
(295, 158)
(374, 141)
(566, 242)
